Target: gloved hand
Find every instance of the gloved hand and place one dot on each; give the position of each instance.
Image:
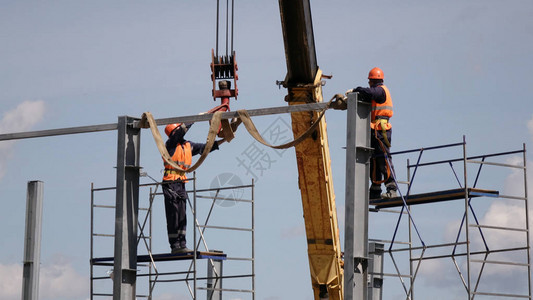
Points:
(339, 97)
(349, 91)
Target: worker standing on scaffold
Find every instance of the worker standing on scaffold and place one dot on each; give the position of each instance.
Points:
(381, 163)
(174, 181)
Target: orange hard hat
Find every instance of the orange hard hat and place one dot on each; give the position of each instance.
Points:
(376, 73)
(171, 127)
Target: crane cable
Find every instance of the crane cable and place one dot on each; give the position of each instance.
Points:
(148, 121)
(227, 25)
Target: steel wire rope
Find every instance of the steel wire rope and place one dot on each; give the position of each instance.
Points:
(229, 37)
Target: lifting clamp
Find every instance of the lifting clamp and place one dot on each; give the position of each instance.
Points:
(223, 69)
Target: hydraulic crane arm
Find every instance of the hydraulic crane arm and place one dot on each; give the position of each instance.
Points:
(304, 84)
(299, 42)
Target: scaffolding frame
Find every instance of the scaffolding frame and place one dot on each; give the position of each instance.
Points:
(191, 276)
(128, 171)
(468, 225)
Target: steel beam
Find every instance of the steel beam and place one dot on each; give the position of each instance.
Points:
(358, 153)
(214, 279)
(375, 269)
(32, 241)
(58, 131)
(162, 121)
(127, 210)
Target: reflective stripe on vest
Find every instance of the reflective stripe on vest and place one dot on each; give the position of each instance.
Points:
(183, 157)
(382, 110)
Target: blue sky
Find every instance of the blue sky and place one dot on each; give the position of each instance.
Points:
(454, 68)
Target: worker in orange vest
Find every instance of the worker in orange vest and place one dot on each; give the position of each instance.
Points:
(380, 167)
(174, 181)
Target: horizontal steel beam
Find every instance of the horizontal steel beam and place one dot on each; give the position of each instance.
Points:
(59, 131)
(234, 114)
(164, 121)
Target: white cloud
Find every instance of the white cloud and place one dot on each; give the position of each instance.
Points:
(10, 281)
(514, 183)
(57, 280)
(448, 279)
(20, 119)
(23, 117)
(502, 213)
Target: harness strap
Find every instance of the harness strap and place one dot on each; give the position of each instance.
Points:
(382, 122)
(174, 172)
(382, 146)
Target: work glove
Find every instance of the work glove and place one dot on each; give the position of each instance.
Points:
(349, 91)
(339, 103)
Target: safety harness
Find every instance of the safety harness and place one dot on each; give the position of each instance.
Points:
(381, 122)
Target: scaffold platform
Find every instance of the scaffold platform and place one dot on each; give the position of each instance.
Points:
(432, 197)
(102, 261)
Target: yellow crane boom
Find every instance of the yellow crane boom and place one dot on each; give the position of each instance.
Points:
(304, 84)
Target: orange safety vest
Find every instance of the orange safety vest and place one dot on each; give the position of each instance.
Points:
(382, 110)
(183, 157)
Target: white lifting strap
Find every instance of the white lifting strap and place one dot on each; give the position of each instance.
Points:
(213, 129)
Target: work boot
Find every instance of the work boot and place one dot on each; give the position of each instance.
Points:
(374, 194)
(180, 250)
(375, 191)
(389, 194)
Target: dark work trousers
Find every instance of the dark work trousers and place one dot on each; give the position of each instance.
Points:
(378, 165)
(176, 213)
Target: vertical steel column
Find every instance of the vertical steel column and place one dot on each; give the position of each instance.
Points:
(375, 269)
(358, 153)
(214, 279)
(32, 241)
(127, 210)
